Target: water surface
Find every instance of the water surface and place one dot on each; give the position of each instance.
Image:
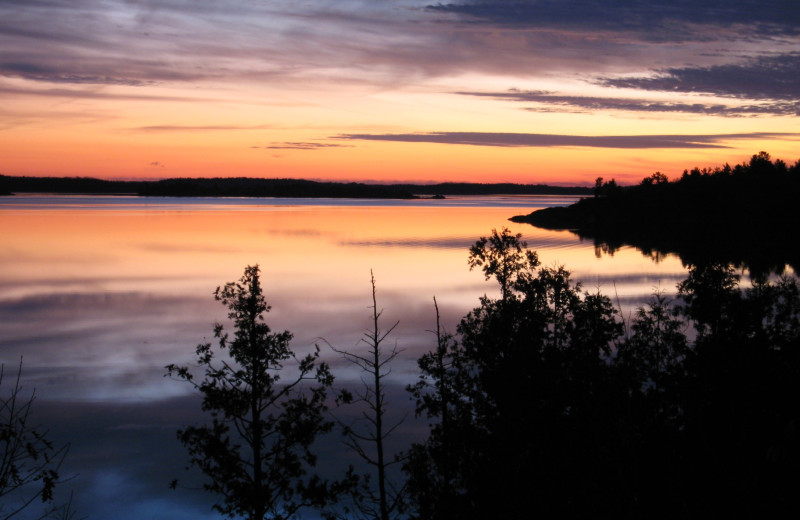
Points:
(99, 293)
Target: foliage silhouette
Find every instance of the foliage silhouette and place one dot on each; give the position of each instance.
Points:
(256, 451)
(529, 359)
(371, 428)
(743, 393)
(29, 461)
(543, 403)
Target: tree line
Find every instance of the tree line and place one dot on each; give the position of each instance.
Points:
(261, 187)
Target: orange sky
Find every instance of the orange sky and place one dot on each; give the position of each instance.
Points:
(530, 92)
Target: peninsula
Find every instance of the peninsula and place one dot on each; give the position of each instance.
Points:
(746, 214)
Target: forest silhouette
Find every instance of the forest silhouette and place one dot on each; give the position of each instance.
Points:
(745, 215)
(261, 187)
(544, 401)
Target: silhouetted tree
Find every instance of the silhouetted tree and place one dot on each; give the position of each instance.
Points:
(371, 428)
(257, 449)
(516, 396)
(655, 179)
(598, 186)
(657, 347)
(29, 461)
(501, 256)
(437, 467)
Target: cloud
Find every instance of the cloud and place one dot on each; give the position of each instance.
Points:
(93, 93)
(512, 140)
(302, 146)
(287, 52)
(146, 43)
(546, 100)
(156, 164)
(39, 72)
(199, 128)
(651, 19)
(774, 77)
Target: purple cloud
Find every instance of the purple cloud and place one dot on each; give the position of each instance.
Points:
(554, 140)
(546, 101)
(768, 77)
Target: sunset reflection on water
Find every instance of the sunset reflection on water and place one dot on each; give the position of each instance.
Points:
(98, 298)
(130, 288)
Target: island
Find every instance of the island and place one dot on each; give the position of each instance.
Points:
(746, 215)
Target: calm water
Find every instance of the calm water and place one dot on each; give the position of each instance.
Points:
(97, 294)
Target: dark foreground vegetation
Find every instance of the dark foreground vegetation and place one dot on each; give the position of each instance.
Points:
(746, 214)
(29, 462)
(249, 187)
(544, 402)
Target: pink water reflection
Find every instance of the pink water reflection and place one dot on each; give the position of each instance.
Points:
(99, 295)
(98, 300)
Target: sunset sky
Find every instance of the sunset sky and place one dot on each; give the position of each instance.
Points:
(550, 91)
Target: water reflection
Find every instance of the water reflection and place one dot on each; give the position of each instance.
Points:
(130, 289)
(98, 294)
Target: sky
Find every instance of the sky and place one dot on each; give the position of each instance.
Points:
(528, 91)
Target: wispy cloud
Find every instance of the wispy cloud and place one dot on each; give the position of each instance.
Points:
(97, 93)
(767, 77)
(39, 72)
(199, 128)
(139, 44)
(555, 140)
(547, 101)
(302, 146)
(676, 20)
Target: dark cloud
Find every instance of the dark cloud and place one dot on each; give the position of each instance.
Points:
(555, 140)
(547, 100)
(766, 77)
(651, 19)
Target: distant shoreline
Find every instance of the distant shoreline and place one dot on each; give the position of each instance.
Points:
(279, 188)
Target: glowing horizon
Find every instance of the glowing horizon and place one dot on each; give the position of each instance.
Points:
(539, 91)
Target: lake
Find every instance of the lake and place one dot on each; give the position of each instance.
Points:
(98, 294)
